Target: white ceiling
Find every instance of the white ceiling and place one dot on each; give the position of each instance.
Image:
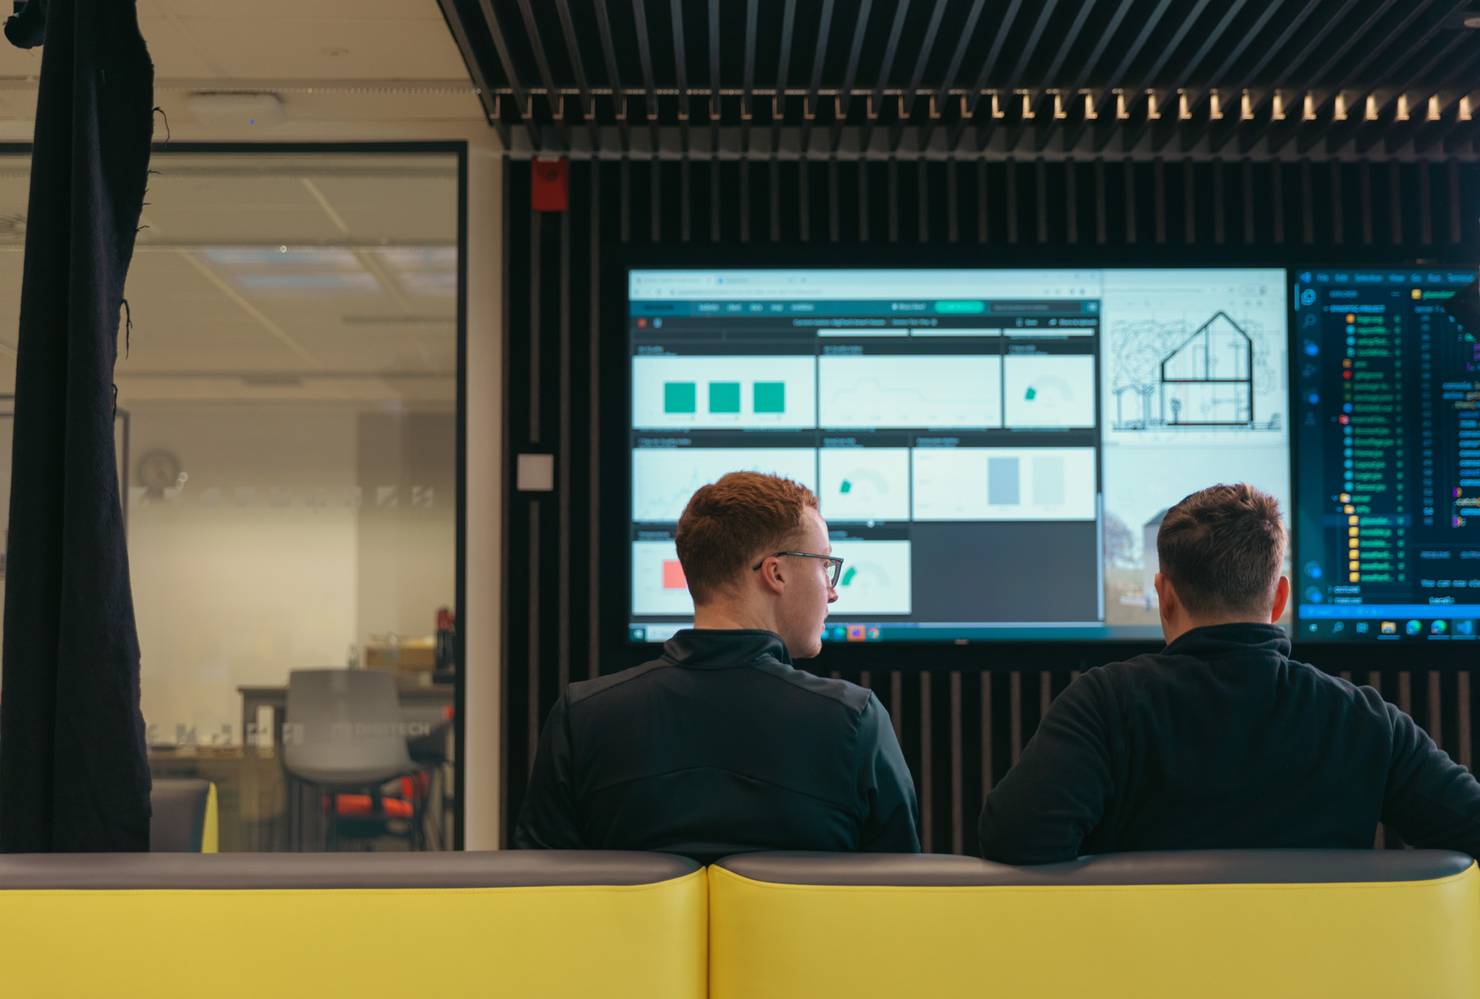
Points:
(378, 63)
(307, 39)
(327, 277)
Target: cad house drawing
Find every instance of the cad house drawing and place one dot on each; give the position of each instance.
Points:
(1207, 381)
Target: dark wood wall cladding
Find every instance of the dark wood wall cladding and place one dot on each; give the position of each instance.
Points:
(963, 714)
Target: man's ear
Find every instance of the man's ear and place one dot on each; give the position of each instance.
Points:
(1166, 596)
(772, 576)
(1281, 599)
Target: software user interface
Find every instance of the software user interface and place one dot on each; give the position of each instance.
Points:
(1388, 416)
(993, 450)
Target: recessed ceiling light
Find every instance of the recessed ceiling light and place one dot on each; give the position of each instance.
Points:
(1472, 21)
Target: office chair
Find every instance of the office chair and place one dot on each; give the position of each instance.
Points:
(344, 736)
(429, 745)
(185, 816)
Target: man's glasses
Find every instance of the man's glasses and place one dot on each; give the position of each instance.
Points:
(834, 564)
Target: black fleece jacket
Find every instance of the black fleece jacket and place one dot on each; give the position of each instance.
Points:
(1222, 741)
(720, 746)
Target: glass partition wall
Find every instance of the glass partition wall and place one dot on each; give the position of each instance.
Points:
(289, 405)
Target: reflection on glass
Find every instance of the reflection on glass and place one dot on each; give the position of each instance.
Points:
(291, 391)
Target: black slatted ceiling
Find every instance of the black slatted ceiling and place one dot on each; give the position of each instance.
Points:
(581, 75)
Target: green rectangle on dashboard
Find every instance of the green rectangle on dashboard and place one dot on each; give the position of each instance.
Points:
(724, 397)
(770, 397)
(680, 397)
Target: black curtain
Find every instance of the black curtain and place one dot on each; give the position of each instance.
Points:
(74, 775)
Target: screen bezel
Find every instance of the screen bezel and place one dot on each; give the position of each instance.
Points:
(1056, 653)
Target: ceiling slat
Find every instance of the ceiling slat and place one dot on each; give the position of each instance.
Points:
(573, 47)
(809, 109)
(506, 62)
(542, 64)
(957, 57)
(917, 77)
(680, 60)
(475, 67)
(614, 77)
(645, 57)
(788, 23)
(850, 75)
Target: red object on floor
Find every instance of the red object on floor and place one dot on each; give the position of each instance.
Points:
(358, 806)
(549, 184)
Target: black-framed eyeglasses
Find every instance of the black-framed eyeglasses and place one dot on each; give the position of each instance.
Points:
(834, 564)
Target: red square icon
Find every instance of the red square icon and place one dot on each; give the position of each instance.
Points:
(673, 578)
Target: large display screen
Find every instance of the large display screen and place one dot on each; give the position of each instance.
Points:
(1388, 408)
(992, 449)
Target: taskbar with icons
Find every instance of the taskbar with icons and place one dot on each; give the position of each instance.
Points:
(648, 632)
(960, 632)
(1390, 623)
(852, 633)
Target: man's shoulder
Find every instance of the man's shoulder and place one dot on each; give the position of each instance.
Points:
(1150, 670)
(798, 685)
(807, 685)
(585, 690)
(1359, 697)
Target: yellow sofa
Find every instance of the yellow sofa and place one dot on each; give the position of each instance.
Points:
(233, 926)
(1353, 924)
(1349, 924)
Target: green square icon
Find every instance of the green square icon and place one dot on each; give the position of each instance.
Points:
(680, 397)
(724, 397)
(770, 397)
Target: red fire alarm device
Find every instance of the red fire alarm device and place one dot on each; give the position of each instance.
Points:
(550, 185)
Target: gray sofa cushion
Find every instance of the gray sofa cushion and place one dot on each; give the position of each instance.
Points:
(1171, 867)
(502, 869)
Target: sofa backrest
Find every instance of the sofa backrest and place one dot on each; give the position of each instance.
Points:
(554, 924)
(459, 924)
(1221, 923)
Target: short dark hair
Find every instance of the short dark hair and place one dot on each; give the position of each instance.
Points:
(730, 523)
(1223, 548)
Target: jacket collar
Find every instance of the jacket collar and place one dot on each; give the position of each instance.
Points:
(713, 647)
(1231, 639)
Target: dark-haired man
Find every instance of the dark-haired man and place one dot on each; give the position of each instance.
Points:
(721, 745)
(1221, 740)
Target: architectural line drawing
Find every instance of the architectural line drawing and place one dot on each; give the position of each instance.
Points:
(1206, 382)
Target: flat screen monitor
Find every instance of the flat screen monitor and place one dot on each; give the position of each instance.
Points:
(1388, 432)
(992, 449)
